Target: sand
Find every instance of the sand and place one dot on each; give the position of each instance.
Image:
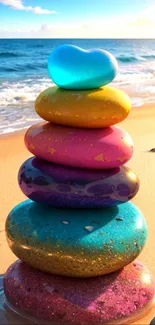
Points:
(141, 126)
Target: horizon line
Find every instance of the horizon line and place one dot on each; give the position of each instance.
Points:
(80, 38)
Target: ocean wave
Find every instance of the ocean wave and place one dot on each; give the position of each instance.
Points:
(126, 59)
(24, 91)
(135, 58)
(149, 57)
(21, 92)
(23, 67)
(9, 69)
(17, 98)
(8, 54)
(31, 66)
(37, 45)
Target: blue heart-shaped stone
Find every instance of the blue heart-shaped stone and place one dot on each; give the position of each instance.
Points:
(71, 67)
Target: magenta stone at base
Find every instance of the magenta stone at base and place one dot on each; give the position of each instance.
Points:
(113, 298)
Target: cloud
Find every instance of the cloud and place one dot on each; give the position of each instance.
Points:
(148, 13)
(18, 5)
(141, 25)
(39, 10)
(118, 27)
(45, 28)
(146, 18)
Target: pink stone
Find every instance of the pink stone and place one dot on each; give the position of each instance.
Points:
(116, 297)
(93, 149)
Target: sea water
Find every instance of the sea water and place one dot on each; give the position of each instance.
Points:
(23, 74)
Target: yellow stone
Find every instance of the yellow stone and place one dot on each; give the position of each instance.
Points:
(96, 108)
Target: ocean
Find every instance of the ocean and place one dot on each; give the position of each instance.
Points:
(23, 74)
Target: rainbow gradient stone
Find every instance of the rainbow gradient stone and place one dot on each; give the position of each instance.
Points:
(62, 186)
(76, 242)
(71, 67)
(115, 298)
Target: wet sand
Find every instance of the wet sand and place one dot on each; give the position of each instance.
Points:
(141, 126)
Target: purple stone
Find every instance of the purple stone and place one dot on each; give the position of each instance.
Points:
(102, 189)
(61, 186)
(64, 188)
(123, 190)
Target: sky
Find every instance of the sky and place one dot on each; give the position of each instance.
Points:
(77, 18)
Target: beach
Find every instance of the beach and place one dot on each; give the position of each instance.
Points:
(140, 125)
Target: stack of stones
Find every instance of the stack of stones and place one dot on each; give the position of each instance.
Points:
(77, 236)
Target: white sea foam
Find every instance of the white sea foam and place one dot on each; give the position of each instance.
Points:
(15, 92)
(17, 97)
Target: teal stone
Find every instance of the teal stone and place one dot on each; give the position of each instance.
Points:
(71, 67)
(76, 242)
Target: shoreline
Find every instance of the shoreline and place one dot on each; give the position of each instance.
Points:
(136, 112)
(13, 133)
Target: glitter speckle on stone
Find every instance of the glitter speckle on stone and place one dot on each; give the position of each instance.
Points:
(74, 250)
(113, 298)
(89, 228)
(65, 222)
